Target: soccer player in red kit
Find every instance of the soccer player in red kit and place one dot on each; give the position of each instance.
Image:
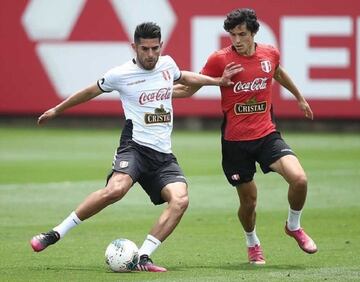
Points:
(249, 134)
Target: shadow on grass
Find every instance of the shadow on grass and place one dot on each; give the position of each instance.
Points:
(228, 266)
(75, 268)
(81, 269)
(242, 266)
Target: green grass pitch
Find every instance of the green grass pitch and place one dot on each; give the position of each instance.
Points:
(45, 173)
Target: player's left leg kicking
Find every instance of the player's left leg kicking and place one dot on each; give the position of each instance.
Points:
(175, 194)
(118, 185)
(289, 167)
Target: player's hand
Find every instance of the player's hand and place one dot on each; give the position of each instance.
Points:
(305, 107)
(230, 70)
(49, 114)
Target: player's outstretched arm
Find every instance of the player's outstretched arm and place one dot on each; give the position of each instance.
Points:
(184, 91)
(284, 79)
(75, 99)
(194, 81)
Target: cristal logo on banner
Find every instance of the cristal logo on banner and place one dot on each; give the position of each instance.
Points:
(70, 66)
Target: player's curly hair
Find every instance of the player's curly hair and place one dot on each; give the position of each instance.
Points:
(241, 16)
(147, 30)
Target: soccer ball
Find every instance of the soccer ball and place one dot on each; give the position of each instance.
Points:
(122, 255)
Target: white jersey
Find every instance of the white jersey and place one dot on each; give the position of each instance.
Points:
(146, 96)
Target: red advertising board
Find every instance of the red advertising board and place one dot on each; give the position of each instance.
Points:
(51, 49)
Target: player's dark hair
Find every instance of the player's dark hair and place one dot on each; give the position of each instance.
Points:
(147, 30)
(241, 16)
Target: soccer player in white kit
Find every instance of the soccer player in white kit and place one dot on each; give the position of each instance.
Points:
(144, 155)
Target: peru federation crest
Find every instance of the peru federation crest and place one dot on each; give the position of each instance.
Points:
(266, 66)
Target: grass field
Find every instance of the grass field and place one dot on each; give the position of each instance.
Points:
(45, 173)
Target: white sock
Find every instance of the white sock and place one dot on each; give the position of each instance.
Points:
(252, 239)
(293, 221)
(71, 221)
(149, 246)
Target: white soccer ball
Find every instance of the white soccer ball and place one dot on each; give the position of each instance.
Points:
(122, 255)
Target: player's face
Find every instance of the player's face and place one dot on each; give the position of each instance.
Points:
(242, 39)
(147, 52)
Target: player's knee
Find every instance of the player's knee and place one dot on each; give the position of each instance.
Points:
(183, 203)
(180, 204)
(249, 202)
(115, 192)
(111, 195)
(300, 182)
(247, 195)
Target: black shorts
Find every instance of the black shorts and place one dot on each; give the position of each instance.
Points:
(152, 169)
(239, 157)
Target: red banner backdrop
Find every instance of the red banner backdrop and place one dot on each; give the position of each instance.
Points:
(51, 49)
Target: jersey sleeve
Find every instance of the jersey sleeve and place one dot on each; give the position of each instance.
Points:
(106, 83)
(174, 68)
(276, 54)
(213, 66)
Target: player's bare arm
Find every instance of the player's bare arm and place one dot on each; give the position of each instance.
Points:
(184, 91)
(75, 99)
(195, 79)
(284, 79)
